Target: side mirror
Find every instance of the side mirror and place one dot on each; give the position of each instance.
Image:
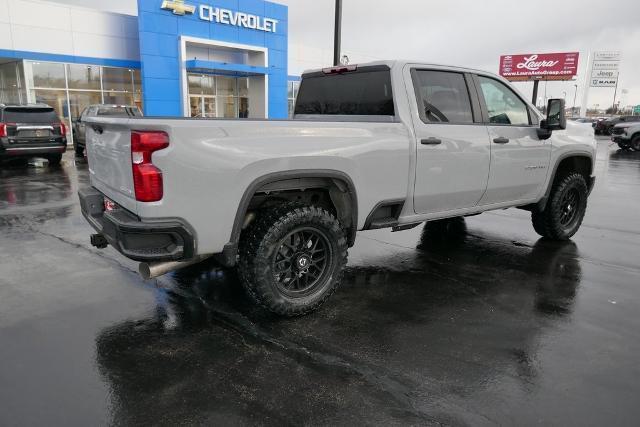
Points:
(556, 118)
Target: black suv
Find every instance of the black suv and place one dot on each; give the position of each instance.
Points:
(607, 125)
(102, 110)
(31, 130)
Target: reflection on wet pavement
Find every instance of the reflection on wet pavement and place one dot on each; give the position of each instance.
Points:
(471, 321)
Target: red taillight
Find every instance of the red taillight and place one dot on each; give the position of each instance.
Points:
(63, 129)
(147, 179)
(3, 130)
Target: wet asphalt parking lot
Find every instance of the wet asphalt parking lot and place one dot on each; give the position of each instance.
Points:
(490, 325)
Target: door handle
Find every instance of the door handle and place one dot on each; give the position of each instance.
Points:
(430, 141)
(501, 140)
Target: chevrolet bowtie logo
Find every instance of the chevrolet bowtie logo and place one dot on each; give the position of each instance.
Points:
(178, 7)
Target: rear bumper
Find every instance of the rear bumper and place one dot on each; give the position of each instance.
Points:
(167, 240)
(23, 149)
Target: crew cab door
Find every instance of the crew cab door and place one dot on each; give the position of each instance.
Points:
(452, 147)
(519, 159)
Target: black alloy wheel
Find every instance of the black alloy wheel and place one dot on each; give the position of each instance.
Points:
(569, 207)
(302, 262)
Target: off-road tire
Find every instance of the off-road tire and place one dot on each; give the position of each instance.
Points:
(550, 223)
(635, 143)
(54, 159)
(261, 242)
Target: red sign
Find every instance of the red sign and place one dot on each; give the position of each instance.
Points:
(539, 66)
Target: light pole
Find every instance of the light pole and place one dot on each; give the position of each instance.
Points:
(337, 33)
(575, 95)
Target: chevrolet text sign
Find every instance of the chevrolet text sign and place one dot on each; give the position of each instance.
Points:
(542, 66)
(238, 19)
(223, 16)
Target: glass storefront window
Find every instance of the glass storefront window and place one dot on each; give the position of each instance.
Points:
(210, 109)
(46, 83)
(116, 79)
(218, 96)
(48, 75)
(53, 98)
(292, 93)
(11, 83)
(79, 100)
(243, 108)
(195, 103)
(227, 107)
(83, 76)
(243, 87)
(226, 86)
(118, 98)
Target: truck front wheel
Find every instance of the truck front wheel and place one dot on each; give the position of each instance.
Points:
(292, 258)
(565, 209)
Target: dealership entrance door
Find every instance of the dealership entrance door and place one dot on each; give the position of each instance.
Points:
(218, 96)
(224, 80)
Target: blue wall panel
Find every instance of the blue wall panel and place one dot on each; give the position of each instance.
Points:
(160, 31)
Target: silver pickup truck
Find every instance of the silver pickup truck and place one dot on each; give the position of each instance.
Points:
(382, 145)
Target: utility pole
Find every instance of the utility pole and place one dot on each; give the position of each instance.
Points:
(615, 93)
(575, 95)
(535, 92)
(337, 34)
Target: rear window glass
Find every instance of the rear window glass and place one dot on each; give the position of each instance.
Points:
(118, 112)
(29, 115)
(362, 93)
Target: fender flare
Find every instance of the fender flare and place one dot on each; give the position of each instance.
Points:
(543, 201)
(230, 251)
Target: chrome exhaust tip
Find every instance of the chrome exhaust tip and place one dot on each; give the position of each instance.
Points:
(151, 270)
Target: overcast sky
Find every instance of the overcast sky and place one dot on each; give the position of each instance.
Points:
(470, 33)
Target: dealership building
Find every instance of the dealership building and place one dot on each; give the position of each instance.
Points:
(192, 58)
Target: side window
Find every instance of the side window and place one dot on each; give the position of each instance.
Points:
(442, 96)
(503, 105)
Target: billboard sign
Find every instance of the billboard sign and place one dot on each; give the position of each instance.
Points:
(604, 69)
(542, 66)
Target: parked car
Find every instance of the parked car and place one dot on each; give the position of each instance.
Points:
(98, 110)
(32, 130)
(627, 135)
(383, 145)
(607, 125)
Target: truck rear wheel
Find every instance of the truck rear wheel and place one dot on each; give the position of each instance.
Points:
(565, 209)
(292, 258)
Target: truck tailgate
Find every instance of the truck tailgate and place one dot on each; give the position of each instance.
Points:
(109, 157)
